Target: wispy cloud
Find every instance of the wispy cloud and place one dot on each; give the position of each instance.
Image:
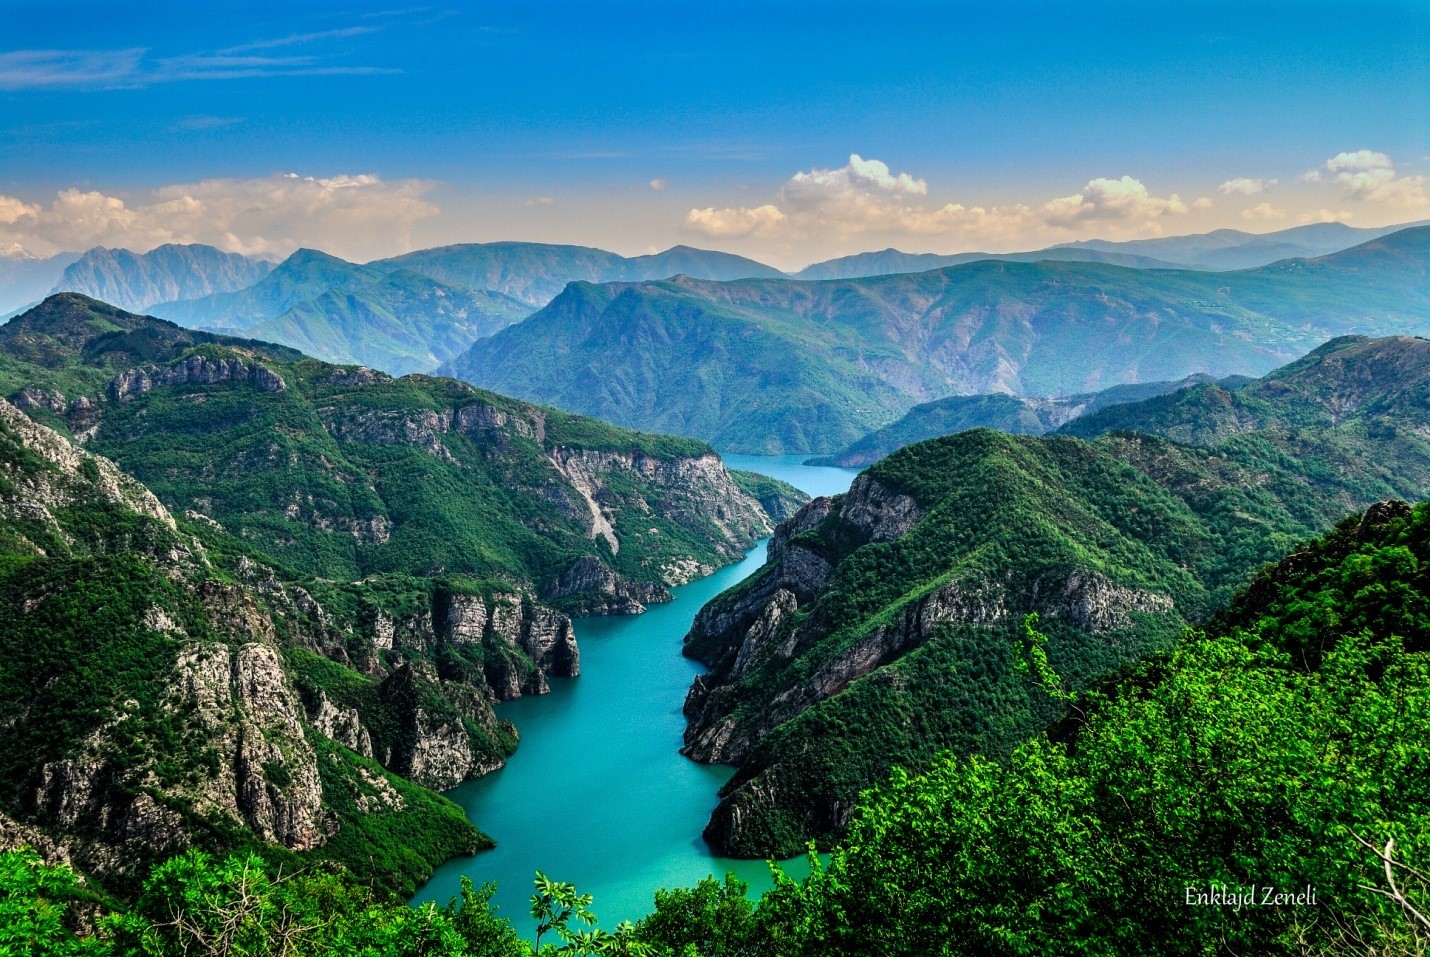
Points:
(1245, 186)
(136, 67)
(295, 39)
(47, 69)
(227, 67)
(204, 122)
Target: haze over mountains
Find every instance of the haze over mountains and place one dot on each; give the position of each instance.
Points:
(536, 272)
(1015, 415)
(397, 321)
(1235, 249)
(25, 279)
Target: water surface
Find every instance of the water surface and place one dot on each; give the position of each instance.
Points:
(598, 794)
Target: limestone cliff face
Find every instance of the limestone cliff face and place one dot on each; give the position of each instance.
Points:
(436, 745)
(243, 703)
(198, 370)
(688, 490)
(76, 477)
(508, 623)
(235, 703)
(591, 587)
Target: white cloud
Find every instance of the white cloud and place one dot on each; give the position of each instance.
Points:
(13, 210)
(864, 173)
(1311, 176)
(1324, 216)
(1244, 186)
(1358, 161)
(354, 216)
(1202, 202)
(539, 201)
(863, 196)
(735, 221)
(1111, 200)
(1368, 176)
(659, 183)
(1264, 212)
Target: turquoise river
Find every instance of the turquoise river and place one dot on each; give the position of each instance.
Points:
(597, 793)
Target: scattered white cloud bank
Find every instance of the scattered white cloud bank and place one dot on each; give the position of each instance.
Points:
(1368, 176)
(659, 183)
(1263, 212)
(354, 216)
(1104, 200)
(864, 196)
(539, 201)
(1244, 186)
(735, 221)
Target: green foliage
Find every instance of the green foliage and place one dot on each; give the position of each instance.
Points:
(38, 909)
(389, 847)
(1244, 757)
(712, 919)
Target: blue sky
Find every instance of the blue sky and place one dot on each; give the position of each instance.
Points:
(631, 125)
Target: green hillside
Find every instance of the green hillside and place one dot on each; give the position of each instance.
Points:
(1016, 415)
(878, 634)
(784, 366)
(397, 321)
(390, 558)
(1246, 757)
(1250, 791)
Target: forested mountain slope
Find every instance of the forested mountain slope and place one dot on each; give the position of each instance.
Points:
(405, 552)
(878, 634)
(786, 366)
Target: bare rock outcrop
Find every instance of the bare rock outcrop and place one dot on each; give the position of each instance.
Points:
(195, 370)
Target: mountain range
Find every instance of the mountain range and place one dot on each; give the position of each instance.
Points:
(1218, 250)
(398, 321)
(342, 316)
(771, 366)
(536, 272)
(136, 281)
(880, 631)
(1234, 249)
(270, 601)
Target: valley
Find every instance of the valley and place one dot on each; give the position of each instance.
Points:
(600, 755)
